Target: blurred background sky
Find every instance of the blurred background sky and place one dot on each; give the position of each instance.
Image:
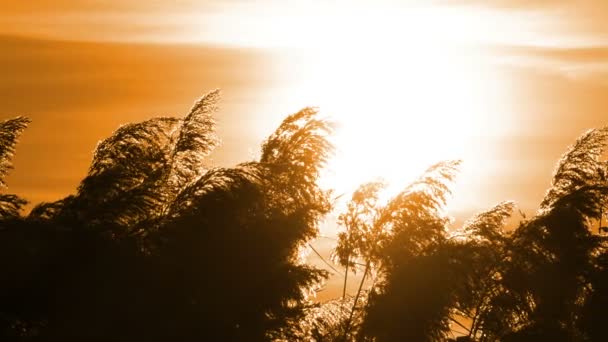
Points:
(504, 85)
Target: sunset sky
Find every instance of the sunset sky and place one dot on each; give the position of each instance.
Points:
(504, 85)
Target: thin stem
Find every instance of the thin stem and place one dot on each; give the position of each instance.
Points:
(352, 312)
(323, 259)
(345, 277)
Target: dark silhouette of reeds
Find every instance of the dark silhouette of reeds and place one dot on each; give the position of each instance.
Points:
(157, 245)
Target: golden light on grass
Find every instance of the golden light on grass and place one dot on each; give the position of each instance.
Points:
(412, 110)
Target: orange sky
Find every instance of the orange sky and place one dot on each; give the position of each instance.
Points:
(223, 20)
(80, 68)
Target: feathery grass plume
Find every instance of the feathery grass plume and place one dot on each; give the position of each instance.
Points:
(411, 290)
(195, 141)
(361, 236)
(579, 166)
(127, 170)
(487, 225)
(223, 261)
(299, 143)
(234, 234)
(217, 186)
(294, 155)
(137, 172)
(429, 192)
(360, 239)
(483, 242)
(10, 205)
(10, 130)
(416, 215)
(551, 257)
(49, 211)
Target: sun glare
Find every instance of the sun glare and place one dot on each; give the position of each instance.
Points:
(403, 96)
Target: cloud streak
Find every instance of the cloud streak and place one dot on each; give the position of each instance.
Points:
(587, 19)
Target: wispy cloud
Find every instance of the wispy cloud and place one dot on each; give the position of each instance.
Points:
(589, 63)
(565, 36)
(542, 22)
(585, 19)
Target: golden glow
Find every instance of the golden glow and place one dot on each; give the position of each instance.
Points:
(329, 24)
(400, 104)
(404, 79)
(397, 113)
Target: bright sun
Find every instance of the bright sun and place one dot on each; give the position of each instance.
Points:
(398, 110)
(400, 104)
(403, 84)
